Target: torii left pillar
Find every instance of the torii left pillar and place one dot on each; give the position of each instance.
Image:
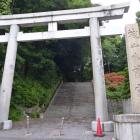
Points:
(7, 79)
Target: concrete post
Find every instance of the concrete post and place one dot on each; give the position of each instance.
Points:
(8, 74)
(133, 48)
(127, 126)
(52, 26)
(98, 72)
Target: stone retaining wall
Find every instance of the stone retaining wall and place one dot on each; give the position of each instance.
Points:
(114, 105)
(127, 106)
(122, 105)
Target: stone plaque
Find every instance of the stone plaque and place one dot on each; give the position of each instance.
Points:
(133, 56)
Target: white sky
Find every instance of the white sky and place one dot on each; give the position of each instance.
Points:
(128, 18)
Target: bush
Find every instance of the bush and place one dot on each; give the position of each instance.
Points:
(114, 85)
(117, 85)
(28, 93)
(121, 73)
(15, 114)
(112, 88)
(126, 85)
(119, 112)
(33, 115)
(113, 78)
(114, 94)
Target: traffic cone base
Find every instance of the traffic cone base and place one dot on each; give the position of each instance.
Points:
(95, 135)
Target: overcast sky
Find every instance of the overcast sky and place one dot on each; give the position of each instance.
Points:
(129, 18)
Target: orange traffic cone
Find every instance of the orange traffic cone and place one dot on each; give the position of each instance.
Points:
(99, 130)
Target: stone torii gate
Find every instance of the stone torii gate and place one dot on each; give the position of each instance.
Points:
(92, 15)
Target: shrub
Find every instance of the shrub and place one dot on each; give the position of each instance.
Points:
(126, 85)
(121, 73)
(117, 85)
(115, 94)
(113, 78)
(114, 85)
(119, 112)
(28, 93)
(33, 115)
(112, 88)
(15, 114)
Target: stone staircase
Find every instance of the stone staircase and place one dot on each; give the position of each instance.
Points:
(72, 100)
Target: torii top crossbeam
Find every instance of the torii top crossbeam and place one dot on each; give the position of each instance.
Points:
(65, 16)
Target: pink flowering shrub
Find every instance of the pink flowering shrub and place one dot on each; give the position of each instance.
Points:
(113, 78)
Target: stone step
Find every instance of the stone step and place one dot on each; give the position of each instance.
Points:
(72, 100)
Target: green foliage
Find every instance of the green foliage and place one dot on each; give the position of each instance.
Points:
(119, 61)
(72, 57)
(126, 87)
(118, 87)
(109, 49)
(30, 6)
(73, 4)
(52, 58)
(33, 115)
(121, 73)
(114, 53)
(5, 7)
(115, 92)
(119, 112)
(15, 114)
(2, 57)
(87, 72)
(28, 93)
(138, 21)
(114, 85)
(113, 78)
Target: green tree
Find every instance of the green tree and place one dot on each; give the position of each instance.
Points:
(109, 49)
(73, 4)
(138, 21)
(114, 53)
(126, 85)
(119, 62)
(69, 55)
(5, 7)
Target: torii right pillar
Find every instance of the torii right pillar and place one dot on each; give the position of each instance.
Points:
(98, 78)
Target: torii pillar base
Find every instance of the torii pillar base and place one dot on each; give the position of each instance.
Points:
(106, 126)
(5, 124)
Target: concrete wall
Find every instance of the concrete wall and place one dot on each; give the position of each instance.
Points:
(127, 106)
(114, 105)
(122, 105)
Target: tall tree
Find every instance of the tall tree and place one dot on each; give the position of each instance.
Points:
(114, 53)
(5, 7)
(109, 48)
(138, 16)
(69, 55)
